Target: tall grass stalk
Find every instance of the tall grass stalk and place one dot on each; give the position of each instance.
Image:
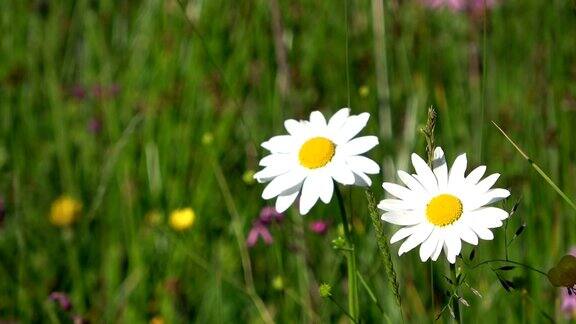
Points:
(241, 241)
(382, 84)
(428, 131)
(353, 306)
(384, 248)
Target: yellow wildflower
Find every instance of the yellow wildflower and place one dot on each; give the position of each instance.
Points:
(181, 219)
(65, 210)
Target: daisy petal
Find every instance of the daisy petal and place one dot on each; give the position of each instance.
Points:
(487, 183)
(361, 179)
(450, 257)
(326, 188)
(317, 119)
(394, 205)
(402, 233)
(285, 200)
(338, 119)
(270, 172)
(341, 173)
(440, 168)
(456, 177)
(401, 218)
(359, 145)
(496, 212)
(410, 181)
(397, 191)
(282, 183)
(490, 197)
(465, 233)
(279, 144)
(352, 127)
(310, 193)
(438, 249)
(293, 126)
(363, 164)
(420, 234)
(428, 247)
(453, 244)
(489, 217)
(274, 159)
(497, 195)
(425, 175)
(475, 175)
(483, 233)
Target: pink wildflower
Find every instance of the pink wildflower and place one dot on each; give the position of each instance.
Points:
(62, 299)
(568, 306)
(319, 227)
(473, 6)
(259, 229)
(269, 214)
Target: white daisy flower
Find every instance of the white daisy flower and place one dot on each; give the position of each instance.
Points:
(314, 153)
(439, 209)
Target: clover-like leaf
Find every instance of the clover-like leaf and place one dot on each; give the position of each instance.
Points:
(564, 273)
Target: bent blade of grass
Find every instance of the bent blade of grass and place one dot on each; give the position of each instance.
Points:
(538, 169)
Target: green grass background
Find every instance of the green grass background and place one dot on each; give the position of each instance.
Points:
(212, 68)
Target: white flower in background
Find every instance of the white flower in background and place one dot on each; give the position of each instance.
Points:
(439, 209)
(314, 153)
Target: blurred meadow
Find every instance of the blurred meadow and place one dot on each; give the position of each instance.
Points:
(131, 110)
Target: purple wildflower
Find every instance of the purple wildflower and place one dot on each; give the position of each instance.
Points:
(473, 6)
(62, 299)
(319, 227)
(269, 214)
(259, 229)
(568, 306)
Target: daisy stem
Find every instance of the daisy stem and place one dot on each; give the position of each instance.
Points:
(432, 291)
(455, 302)
(351, 260)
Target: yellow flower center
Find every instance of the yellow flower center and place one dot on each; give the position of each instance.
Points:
(443, 210)
(316, 152)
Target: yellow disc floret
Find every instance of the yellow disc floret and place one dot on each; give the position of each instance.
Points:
(444, 210)
(316, 152)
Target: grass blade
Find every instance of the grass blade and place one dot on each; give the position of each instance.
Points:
(538, 169)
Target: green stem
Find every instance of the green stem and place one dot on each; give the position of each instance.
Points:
(370, 292)
(343, 309)
(432, 291)
(455, 302)
(538, 169)
(350, 260)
